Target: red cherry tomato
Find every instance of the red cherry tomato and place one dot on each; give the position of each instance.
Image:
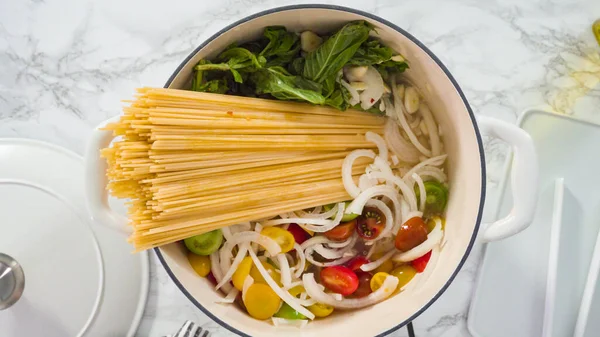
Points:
(300, 235)
(371, 223)
(212, 278)
(420, 263)
(342, 231)
(356, 262)
(364, 284)
(339, 279)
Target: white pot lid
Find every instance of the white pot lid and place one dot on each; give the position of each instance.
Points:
(80, 279)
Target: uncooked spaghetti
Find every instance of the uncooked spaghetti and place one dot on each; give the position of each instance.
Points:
(192, 162)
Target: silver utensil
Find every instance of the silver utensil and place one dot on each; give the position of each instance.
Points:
(191, 329)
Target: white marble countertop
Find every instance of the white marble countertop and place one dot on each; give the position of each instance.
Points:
(65, 65)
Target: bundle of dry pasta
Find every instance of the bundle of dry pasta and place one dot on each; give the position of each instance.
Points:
(191, 162)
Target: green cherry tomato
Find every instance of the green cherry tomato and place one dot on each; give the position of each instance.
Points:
(436, 197)
(205, 244)
(346, 217)
(288, 312)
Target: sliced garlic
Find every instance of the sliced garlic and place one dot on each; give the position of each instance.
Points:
(423, 128)
(358, 85)
(400, 91)
(411, 100)
(355, 74)
(310, 41)
(398, 58)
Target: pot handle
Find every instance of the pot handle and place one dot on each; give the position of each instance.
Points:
(524, 178)
(96, 180)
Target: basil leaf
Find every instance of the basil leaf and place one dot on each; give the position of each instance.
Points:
(371, 52)
(283, 46)
(214, 86)
(296, 66)
(277, 82)
(336, 51)
(235, 60)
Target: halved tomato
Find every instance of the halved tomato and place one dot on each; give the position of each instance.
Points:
(364, 284)
(370, 223)
(342, 231)
(300, 235)
(357, 262)
(339, 279)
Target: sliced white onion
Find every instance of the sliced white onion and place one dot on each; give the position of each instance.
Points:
(329, 254)
(375, 264)
(230, 298)
(309, 220)
(357, 205)
(374, 90)
(248, 281)
(313, 241)
(307, 302)
(257, 228)
(422, 192)
(407, 192)
(347, 179)
(382, 148)
(242, 250)
(433, 239)
(312, 288)
(433, 161)
(215, 268)
(284, 269)
(387, 213)
(395, 160)
(226, 233)
(283, 294)
(296, 323)
(433, 172)
(400, 111)
(365, 182)
(337, 297)
(434, 137)
(328, 225)
(397, 144)
(340, 244)
(269, 244)
(337, 262)
(355, 99)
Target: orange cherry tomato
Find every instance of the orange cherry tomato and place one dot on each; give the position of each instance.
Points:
(342, 231)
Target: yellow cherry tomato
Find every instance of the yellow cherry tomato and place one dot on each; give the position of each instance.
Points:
(320, 310)
(242, 271)
(385, 267)
(200, 263)
(284, 238)
(377, 280)
(257, 276)
(297, 290)
(404, 273)
(261, 301)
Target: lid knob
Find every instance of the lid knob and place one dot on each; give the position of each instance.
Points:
(12, 281)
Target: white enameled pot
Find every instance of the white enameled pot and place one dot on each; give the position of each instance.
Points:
(466, 173)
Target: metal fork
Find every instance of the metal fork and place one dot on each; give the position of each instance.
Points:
(191, 329)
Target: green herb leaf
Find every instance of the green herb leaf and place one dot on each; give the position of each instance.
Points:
(279, 83)
(235, 60)
(371, 52)
(336, 51)
(214, 86)
(283, 46)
